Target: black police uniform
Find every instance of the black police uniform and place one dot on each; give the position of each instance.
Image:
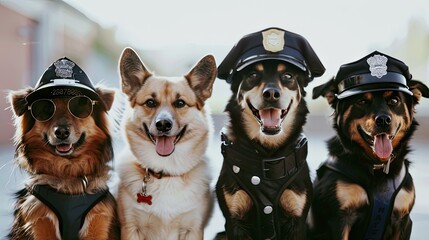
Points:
(267, 183)
(374, 72)
(64, 78)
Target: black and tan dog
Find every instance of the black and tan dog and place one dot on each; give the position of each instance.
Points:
(64, 143)
(364, 189)
(264, 189)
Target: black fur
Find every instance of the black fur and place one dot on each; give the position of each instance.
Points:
(246, 227)
(327, 220)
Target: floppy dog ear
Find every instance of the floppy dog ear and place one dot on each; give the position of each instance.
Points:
(327, 90)
(202, 76)
(17, 101)
(419, 89)
(306, 81)
(107, 96)
(133, 72)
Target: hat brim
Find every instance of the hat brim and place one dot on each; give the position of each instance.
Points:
(373, 88)
(280, 57)
(53, 90)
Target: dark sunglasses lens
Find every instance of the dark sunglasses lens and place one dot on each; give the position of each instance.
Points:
(80, 107)
(42, 110)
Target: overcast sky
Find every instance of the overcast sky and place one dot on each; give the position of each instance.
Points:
(331, 26)
(340, 31)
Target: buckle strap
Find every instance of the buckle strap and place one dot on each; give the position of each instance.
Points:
(272, 168)
(285, 166)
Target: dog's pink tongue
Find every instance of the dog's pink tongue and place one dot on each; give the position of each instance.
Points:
(270, 117)
(63, 147)
(164, 145)
(382, 146)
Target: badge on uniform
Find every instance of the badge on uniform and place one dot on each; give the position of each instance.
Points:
(273, 40)
(377, 65)
(64, 68)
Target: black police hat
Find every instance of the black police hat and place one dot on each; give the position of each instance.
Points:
(271, 43)
(63, 78)
(374, 72)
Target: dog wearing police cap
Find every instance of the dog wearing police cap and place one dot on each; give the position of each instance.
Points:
(63, 142)
(364, 190)
(264, 189)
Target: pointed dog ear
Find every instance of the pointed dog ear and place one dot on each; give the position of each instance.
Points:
(419, 89)
(201, 77)
(132, 71)
(18, 102)
(327, 90)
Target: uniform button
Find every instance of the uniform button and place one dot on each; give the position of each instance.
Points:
(255, 180)
(268, 209)
(235, 169)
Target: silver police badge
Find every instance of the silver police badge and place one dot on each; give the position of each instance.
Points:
(377, 65)
(273, 40)
(64, 68)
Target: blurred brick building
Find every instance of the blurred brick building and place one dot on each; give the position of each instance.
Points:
(33, 34)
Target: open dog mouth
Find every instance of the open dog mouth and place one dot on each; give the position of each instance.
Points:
(64, 148)
(381, 143)
(270, 119)
(164, 145)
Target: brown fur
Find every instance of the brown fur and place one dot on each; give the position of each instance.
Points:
(342, 201)
(251, 89)
(90, 157)
(179, 179)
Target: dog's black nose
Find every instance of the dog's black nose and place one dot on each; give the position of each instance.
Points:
(271, 94)
(383, 120)
(62, 132)
(164, 125)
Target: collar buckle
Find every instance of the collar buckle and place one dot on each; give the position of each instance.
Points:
(384, 166)
(275, 168)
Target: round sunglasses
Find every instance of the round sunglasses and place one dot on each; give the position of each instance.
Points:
(79, 106)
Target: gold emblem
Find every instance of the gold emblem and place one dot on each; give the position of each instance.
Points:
(273, 40)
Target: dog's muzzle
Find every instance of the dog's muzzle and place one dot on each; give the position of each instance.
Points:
(270, 119)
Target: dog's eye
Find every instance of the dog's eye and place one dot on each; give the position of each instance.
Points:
(362, 101)
(286, 76)
(393, 101)
(253, 77)
(179, 103)
(151, 103)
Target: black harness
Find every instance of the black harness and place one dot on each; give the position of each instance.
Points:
(70, 210)
(381, 196)
(264, 176)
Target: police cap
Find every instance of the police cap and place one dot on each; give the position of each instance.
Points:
(64, 78)
(374, 72)
(271, 43)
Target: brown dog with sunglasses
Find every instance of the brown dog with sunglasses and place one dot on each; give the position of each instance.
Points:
(63, 141)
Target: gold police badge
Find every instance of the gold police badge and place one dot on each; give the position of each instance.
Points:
(273, 40)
